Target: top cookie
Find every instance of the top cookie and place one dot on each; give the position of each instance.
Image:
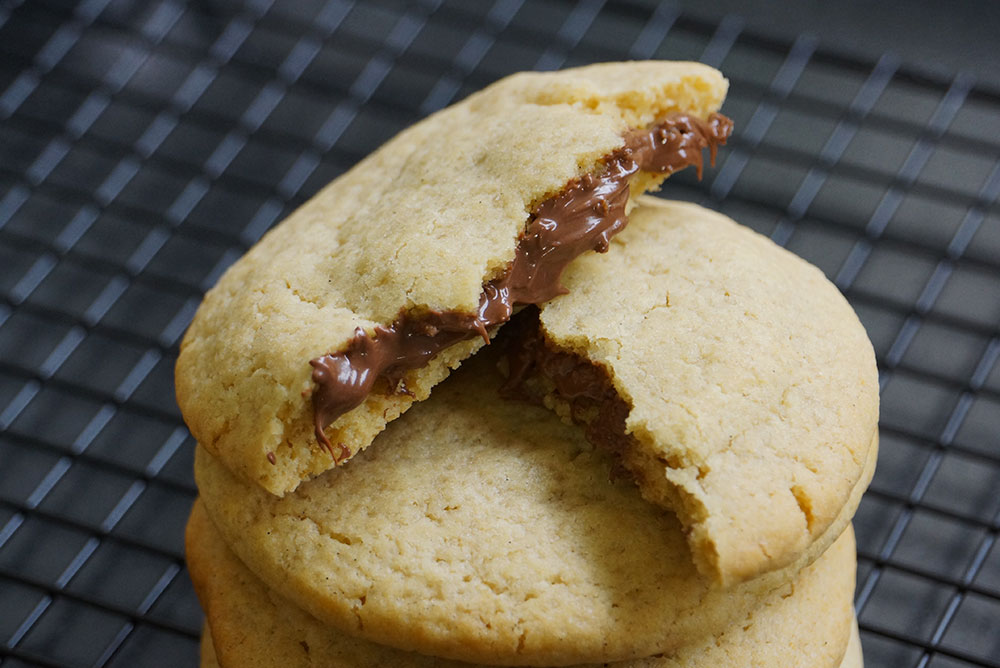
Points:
(420, 226)
(733, 380)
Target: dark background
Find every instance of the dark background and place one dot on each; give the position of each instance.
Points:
(145, 145)
(934, 36)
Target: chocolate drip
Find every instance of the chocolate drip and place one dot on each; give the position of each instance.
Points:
(584, 216)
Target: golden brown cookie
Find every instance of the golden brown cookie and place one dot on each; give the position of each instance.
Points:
(206, 651)
(317, 322)
(482, 530)
(853, 658)
(805, 623)
(733, 381)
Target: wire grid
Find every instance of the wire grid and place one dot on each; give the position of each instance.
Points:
(145, 146)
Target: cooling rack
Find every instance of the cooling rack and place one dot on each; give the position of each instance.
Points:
(145, 145)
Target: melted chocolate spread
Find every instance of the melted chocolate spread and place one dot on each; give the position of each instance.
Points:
(584, 216)
(536, 370)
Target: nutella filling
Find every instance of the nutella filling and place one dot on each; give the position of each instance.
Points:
(584, 216)
(536, 371)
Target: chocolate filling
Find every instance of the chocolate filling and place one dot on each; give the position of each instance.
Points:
(535, 370)
(584, 216)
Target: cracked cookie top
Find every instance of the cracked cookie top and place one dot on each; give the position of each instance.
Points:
(419, 226)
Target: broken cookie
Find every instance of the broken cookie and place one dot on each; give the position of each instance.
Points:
(364, 298)
(728, 377)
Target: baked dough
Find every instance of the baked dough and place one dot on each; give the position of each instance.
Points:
(421, 224)
(805, 623)
(750, 386)
(482, 530)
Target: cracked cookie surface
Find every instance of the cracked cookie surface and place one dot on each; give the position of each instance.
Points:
(749, 388)
(481, 530)
(421, 224)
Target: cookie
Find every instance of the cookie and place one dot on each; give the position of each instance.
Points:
(206, 651)
(852, 658)
(730, 378)
(356, 305)
(481, 530)
(806, 623)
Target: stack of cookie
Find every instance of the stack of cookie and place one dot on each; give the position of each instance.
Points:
(655, 463)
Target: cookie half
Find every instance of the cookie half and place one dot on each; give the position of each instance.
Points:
(805, 623)
(364, 298)
(481, 530)
(728, 376)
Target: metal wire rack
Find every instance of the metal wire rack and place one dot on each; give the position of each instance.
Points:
(145, 146)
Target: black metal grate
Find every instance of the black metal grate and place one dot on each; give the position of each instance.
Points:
(145, 146)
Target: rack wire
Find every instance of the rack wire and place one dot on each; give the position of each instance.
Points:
(145, 146)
